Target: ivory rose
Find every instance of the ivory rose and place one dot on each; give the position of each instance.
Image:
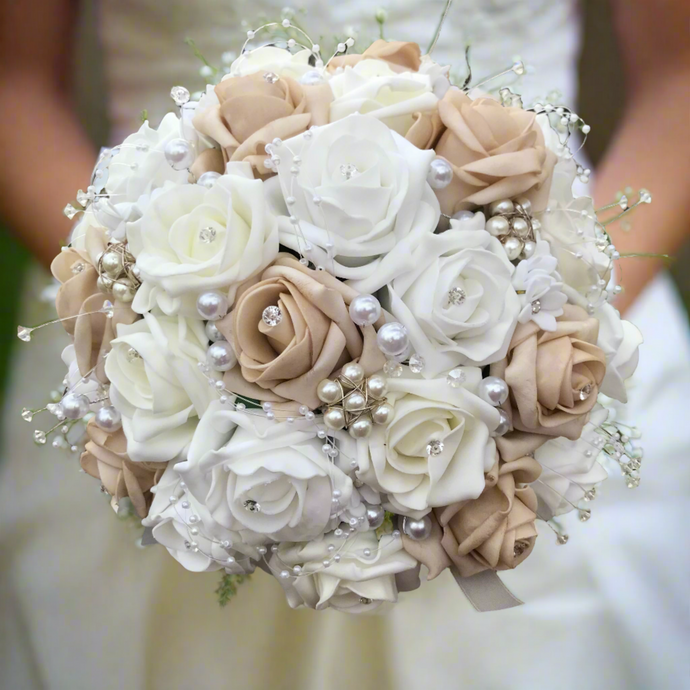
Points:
(554, 376)
(496, 153)
(314, 337)
(192, 239)
(435, 449)
(457, 302)
(105, 458)
(360, 202)
(354, 584)
(156, 384)
(496, 531)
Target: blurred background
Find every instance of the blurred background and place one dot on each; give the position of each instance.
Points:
(78, 601)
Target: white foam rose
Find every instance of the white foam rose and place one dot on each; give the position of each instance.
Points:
(361, 198)
(271, 59)
(620, 340)
(157, 386)
(457, 301)
(396, 459)
(569, 468)
(354, 584)
(192, 239)
(267, 478)
(371, 87)
(569, 226)
(192, 537)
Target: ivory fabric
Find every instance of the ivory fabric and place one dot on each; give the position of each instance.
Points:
(496, 153)
(314, 338)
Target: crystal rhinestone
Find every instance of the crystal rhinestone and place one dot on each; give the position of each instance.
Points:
(207, 235)
(271, 77)
(272, 316)
(585, 391)
(348, 171)
(132, 355)
(519, 548)
(392, 368)
(27, 414)
(562, 539)
(434, 447)
(645, 196)
(108, 309)
(416, 364)
(456, 296)
(40, 437)
(365, 600)
(251, 506)
(179, 94)
(82, 197)
(590, 495)
(24, 333)
(78, 267)
(585, 515)
(536, 306)
(633, 482)
(455, 378)
(70, 211)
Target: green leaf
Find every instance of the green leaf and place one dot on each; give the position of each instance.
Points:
(227, 588)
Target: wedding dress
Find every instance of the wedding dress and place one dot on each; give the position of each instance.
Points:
(83, 607)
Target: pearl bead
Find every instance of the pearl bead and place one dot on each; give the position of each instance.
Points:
(361, 428)
(504, 425)
(104, 284)
(353, 372)
(108, 418)
(501, 208)
(529, 249)
(123, 291)
(329, 391)
(208, 179)
(334, 418)
(212, 332)
(220, 356)
(75, 406)
(493, 390)
(179, 154)
(497, 226)
(355, 401)
(365, 310)
(525, 203)
(311, 78)
(377, 386)
(440, 173)
(375, 516)
(520, 227)
(463, 215)
(392, 339)
(382, 414)
(513, 247)
(212, 305)
(111, 263)
(418, 530)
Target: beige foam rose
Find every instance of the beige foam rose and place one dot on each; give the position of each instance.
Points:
(554, 379)
(314, 338)
(496, 153)
(105, 458)
(243, 114)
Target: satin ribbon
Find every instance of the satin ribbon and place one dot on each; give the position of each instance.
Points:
(485, 591)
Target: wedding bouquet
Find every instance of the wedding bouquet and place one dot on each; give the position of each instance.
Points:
(339, 319)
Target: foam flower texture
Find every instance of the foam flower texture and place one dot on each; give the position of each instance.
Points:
(539, 287)
(281, 62)
(396, 459)
(185, 527)
(157, 386)
(192, 239)
(569, 226)
(267, 480)
(404, 101)
(457, 300)
(373, 202)
(355, 584)
(620, 340)
(570, 468)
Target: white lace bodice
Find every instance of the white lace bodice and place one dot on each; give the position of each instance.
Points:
(145, 52)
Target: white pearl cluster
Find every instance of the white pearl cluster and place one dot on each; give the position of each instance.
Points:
(512, 223)
(118, 274)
